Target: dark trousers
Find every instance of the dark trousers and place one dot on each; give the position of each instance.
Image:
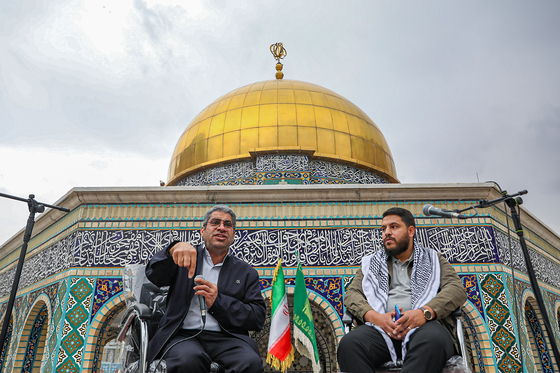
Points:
(363, 349)
(195, 355)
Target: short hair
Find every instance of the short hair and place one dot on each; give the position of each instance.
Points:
(222, 208)
(405, 215)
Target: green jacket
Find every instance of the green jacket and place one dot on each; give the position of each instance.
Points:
(451, 294)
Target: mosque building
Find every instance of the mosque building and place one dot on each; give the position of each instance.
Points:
(308, 174)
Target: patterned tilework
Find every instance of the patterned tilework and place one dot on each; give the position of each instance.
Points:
(33, 343)
(100, 338)
(248, 181)
(500, 324)
(318, 172)
(221, 174)
(328, 287)
(22, 307)
(261, 247)
(5, 345)
(470, 283)
(539, 339)
(324, 172)
(105, 289)
(554, 317)
(476, 342)
(336, 246)
(526, 349)
(52, 292)
(79, 302)
(545, 269)
(20, 311)
(549, 300)
(282, 162)
(285, 177)
(57, 327)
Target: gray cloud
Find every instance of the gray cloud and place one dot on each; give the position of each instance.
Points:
(458, 88)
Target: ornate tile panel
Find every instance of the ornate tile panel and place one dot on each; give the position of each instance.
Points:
(259, 247)
(101, 337)
(470, 283)
(282, 162)
(500, 323)
(5, 345)
(545, 269)
(476, 343)
(220, 174)
(539, 339)
(321, 170)
(330, 288)
(105, 289)
(74, 326)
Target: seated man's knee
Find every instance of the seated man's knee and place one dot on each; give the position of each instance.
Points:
(347, 344)
(255, 364)
(250, 364)
(435, 335)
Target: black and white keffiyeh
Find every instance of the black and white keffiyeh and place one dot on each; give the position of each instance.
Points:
(424, 284)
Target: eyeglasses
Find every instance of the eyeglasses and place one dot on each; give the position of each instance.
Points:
(217, 222)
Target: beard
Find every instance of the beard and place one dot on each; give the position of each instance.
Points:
(401, 246)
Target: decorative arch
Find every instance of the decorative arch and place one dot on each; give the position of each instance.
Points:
(476, 336)
(6, 344)
(324, 317)
(537, 336)
(525, 340)
(31, 347)
(556, 308)
(99, 334)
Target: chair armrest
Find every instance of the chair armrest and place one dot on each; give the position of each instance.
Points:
(347, 318)
(135, 310)
(459, 332)
(456, 313)
(142, 310)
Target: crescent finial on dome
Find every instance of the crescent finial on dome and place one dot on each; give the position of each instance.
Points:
(279, 52)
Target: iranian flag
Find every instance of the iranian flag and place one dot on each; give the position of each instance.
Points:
(304, 331)
(280, 351)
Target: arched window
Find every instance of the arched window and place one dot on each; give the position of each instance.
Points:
(110, 357)
(32, 341)
(6, 344)
(537, 339)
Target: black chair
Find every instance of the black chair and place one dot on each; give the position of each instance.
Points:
(146, 305)
(457, 363)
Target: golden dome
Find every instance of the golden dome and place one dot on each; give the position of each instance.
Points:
(281, 116)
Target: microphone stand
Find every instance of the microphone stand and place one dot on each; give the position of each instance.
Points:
(512, 201)
(34, 207)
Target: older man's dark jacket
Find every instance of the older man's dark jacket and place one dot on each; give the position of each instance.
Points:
(238, 308)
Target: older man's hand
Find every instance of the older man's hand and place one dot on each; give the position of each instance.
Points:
(184, 255)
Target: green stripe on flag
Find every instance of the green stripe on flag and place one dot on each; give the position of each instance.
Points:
(304, 331)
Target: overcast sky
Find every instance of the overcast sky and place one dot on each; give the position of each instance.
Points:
(97, 93)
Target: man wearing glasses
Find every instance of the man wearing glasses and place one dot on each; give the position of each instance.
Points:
(187, 340)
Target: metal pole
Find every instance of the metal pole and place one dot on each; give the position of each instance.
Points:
(34, 207)
(531, 272)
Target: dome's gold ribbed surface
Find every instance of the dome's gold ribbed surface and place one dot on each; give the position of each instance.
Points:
(287, 116)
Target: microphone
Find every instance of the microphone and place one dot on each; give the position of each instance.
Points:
(431, 210)
(202, 303)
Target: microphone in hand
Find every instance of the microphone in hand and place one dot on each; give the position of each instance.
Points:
(431, 210)
(202, 303)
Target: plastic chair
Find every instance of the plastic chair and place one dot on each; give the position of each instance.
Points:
(456, 363)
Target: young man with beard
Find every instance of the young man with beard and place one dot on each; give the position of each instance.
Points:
(421, 283)
(186, 340)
